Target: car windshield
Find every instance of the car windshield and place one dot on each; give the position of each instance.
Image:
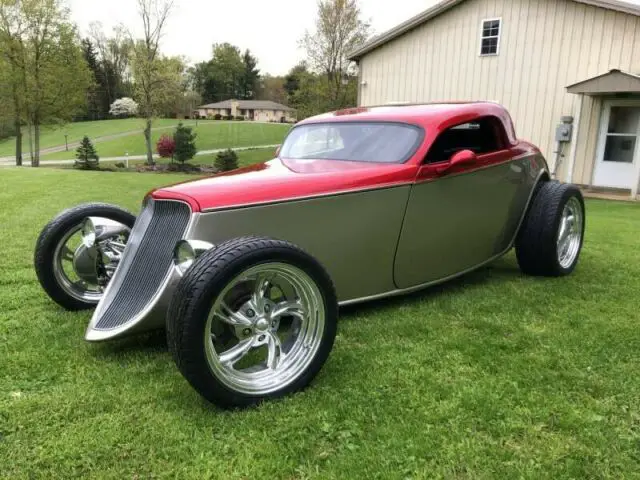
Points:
(353, 141)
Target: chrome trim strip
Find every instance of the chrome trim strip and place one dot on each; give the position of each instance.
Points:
(93, 335)
(309, 197)
(404, 291)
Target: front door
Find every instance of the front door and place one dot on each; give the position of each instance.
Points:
(462, 219)
(619, 146)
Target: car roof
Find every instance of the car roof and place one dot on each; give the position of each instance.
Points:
(420, 114)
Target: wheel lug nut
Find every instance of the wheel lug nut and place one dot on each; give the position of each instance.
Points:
(267, 308)
(261, 338)
(246, 332)
(251, 313)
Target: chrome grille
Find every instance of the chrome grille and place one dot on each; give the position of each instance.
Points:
(145, 263)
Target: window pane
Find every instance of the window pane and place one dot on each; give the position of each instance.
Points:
(619, 149)
(491, 28)
(489, 46)
(624, 120)
(360, 142)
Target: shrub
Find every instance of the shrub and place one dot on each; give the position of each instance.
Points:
(185, 143)
(226, 161)
(120, 165)
(86, 155)
(166, 146)
(228, 117)
(240, 118)
(217, 116)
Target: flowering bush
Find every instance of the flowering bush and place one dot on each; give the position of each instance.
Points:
(166, 146)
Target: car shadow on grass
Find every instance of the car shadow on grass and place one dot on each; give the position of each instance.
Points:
(155, 342)
(501, 270)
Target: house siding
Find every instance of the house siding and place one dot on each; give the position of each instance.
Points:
(545, 46)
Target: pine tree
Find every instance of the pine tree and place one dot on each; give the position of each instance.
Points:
(86, 155)
(226, 161)
(185, 143)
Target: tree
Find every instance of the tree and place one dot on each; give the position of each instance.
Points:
(13, 52)
(339, 30)
(152, 76)
(250, 76)
(115, 54)
(185, 143)
(56, 75)
(94, 93)
(226, 161)
(272, 88)
(166, 146)
(86, 155)
(124, 107)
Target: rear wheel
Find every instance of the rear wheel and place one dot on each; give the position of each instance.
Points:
(252, 319)
(550, 240)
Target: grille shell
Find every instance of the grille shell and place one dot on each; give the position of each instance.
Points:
(146, 262)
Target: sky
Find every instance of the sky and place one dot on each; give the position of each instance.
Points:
(269, 28)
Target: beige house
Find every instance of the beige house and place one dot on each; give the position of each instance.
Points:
(255, 110)
(542, 59)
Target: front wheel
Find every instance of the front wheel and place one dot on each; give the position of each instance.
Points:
(74, 270)
(550, 240)
(252, 319)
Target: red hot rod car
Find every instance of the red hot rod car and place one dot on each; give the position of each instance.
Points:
(247, 269)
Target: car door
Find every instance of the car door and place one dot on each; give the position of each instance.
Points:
(459, 217)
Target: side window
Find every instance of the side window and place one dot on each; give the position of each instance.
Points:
(482, 136)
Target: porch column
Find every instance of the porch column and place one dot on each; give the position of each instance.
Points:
(576, 139)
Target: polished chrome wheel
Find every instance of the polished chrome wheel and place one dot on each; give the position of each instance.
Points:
(83, 268)
(570, 233)
(265, 328)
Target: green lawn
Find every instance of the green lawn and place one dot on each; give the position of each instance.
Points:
(495, 375)
(53, 136)
(211, 135)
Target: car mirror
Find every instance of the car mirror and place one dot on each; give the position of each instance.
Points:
(463, 157)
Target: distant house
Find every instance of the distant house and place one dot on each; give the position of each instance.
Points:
(547, 61)
(255, 110)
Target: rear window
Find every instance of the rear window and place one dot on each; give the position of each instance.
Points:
(350, 141)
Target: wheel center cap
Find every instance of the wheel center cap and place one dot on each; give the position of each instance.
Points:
(262, 324)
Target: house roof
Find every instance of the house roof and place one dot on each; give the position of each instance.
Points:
(445, 5)
(249, 105)
(614, 81)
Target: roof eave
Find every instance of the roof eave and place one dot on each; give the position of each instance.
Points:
(445, 5)
(403, 28)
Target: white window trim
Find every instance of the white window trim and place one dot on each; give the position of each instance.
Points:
(482, 37)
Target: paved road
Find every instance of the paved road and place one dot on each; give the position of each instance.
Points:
(26, 163)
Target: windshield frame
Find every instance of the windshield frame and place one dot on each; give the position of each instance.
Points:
(410, 153)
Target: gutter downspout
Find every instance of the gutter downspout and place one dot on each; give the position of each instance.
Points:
(574, 145)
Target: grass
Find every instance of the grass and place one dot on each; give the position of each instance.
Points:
(211, 135)
(495, 375)
(53, 136)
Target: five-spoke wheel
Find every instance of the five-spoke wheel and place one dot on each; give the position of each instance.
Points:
(551, 236)
(252, 319)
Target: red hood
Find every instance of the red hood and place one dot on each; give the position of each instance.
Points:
(285, 179)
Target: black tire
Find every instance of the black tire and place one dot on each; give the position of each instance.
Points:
(201, 286)
(536, 244)
(54, 231)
